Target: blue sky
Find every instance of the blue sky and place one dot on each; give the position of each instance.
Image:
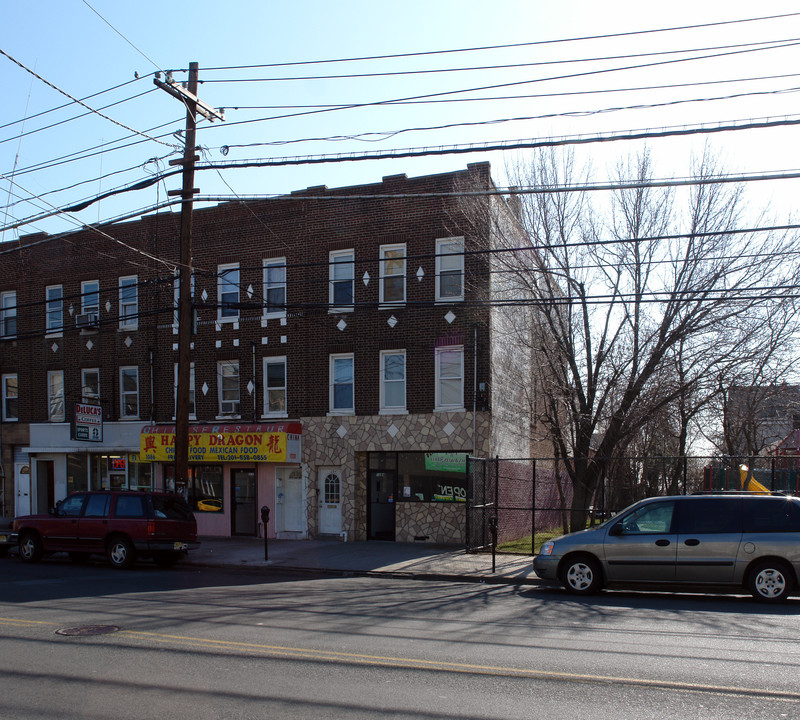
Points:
(67, 43)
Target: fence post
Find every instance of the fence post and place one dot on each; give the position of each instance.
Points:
(533, 505)
(470, 503)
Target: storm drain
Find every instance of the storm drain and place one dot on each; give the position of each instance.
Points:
(86, 630)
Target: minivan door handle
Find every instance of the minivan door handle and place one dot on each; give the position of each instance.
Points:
(691, 542)
(662, 542)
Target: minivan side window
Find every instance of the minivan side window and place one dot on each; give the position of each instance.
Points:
(655, 518)
(771, 515)
(707, 515)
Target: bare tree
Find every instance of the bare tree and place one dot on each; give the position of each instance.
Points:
(633, 309)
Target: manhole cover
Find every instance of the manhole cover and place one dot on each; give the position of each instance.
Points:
(85, 630)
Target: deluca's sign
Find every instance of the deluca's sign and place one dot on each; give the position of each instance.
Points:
(270, 442)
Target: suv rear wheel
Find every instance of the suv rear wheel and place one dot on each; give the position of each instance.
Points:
(30, 547)
(770, 581)
(581, 575)
(120, 552)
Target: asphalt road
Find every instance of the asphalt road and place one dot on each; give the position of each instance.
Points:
(198, 643)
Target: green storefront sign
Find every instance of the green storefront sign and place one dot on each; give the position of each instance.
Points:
(446, 462)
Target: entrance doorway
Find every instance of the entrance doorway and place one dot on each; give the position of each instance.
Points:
(380, 521)
(330, 501)
(45, 485)
(243, 502)
(290, 502)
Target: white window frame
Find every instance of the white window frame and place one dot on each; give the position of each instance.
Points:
(224, 290)
(7, 416)
(54, 309)
(8, 313)
(445, 259)
(86, 396)
(385, 408)
(441, 352)
(90, 289)
(273, 266)
(223, 366)
(340, 260)
(55, 396)
(333, 361)
(129, 304)
(281, 360)
(192, 405)
(387, 256)
(129, 371)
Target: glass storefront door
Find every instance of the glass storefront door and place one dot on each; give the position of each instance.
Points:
(243, 502)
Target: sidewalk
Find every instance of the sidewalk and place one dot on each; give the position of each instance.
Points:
(372, 558)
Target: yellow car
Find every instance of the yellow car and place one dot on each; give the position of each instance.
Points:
(209, 505)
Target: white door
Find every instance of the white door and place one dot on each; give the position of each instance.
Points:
(291, 501)
(330, 501)
(22, 481)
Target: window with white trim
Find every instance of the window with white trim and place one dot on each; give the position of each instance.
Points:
(90, 386)
(8, 313)
(10, 398)
(54, 320)
(341, 283)
(228, 292)
(449, 269)
(90, 297)
(342, 385)
(129, 302)
(192, 409)
(55, 395)
(228, 388)
(393, 274)
(275, 288)
(393, 381)
(129, 392)
(275, 387)
(450, 378)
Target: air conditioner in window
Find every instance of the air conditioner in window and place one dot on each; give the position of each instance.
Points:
(86, 320)
(229, 407)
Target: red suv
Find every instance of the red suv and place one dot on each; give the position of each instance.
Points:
(118, 524)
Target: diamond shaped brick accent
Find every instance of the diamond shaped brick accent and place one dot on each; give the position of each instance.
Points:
(366, 278)
(250, 387)
(89, 345)
(341, 431)
(392, 321)
(450, 316)
(341, 325)
(449, 429)
(393, 430)
(204, 389)
(204, 295)
(420, 274)
(108, 305)
(128, 341)
(54, 347)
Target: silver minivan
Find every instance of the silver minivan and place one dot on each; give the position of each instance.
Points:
(747, 541)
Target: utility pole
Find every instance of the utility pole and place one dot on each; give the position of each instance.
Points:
(187, 95)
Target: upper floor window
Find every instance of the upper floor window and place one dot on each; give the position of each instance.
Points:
(55, 396)
(342, 273)
(90, 297)
(10, 391)
(8, 313)
(228, 292)
(393, 274)
(342, 387)
(450, 269)
(90, 386)
(275, 387)
(450, 378)
(275, 287)
(129, 392)
(192, 409)
(129, 302)
(393, 381)
(55, 308)
(228, 386)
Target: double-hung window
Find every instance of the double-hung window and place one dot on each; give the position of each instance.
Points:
(450, 378)
(228, 386)
(341, 282)
(275, 387)
(228, 292)
(129, 392)
(393, 381)
(10, 398)
(192, 409)
(393, 274)
(90, 386)
(450, 269)
(55, 395)
(54, 320)
(342, 385)
(8, 313)
(90, 297)
(129, 302)
(275, 288)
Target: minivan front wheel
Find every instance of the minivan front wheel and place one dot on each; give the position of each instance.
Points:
(582, 575)
(770, 581)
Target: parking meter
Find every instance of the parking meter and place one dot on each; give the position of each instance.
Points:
(264, 521)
